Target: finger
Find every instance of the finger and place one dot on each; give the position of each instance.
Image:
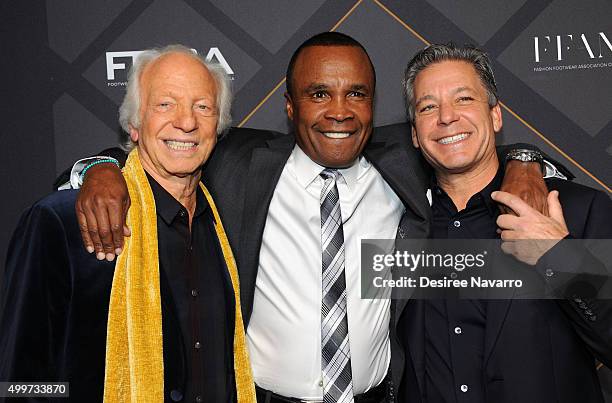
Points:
(509, 235)
(505, 209)
(508, 248)
(116, 226)
(92, 229)
(126, 207)
(514, 202)
(82, 219)
(508, 221)
(554, 207)
(104, 231)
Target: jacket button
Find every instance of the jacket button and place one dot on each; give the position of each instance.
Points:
(176, 395)
(199, 399)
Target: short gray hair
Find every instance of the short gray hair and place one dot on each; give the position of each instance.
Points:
(436, 53)
(130, 107)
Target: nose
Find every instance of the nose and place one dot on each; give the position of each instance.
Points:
(339, 110)
(185, 119)
(447, 114)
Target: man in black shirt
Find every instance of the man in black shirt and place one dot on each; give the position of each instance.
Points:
(467, 350)
(163, 323)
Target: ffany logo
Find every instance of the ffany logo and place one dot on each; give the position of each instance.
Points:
(572, 51)
(115, 61)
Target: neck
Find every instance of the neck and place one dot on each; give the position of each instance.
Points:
(183, 189)
(460, 187)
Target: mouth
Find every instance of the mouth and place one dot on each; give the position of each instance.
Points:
(336, 135)
(180, 145)
(454, 138)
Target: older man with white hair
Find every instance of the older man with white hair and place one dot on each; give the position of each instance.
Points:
(164, 322)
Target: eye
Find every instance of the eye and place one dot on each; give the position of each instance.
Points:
(427, 108)
(465, 99)
(357, 94)
(204, 109)
(164, 105)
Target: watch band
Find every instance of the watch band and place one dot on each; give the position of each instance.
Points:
(525, 155)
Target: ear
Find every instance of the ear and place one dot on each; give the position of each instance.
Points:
(289, 105)
(415, 140)
(134, 134)
(496, 116)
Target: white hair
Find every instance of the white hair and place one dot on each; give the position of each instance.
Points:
(130, 107)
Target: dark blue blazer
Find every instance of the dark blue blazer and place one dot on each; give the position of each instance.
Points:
(55, 307)
(536, 351)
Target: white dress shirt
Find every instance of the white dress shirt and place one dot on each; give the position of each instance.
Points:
(284, 332)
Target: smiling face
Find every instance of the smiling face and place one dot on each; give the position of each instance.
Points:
(179, 117)
(331, 103)
(454, 126)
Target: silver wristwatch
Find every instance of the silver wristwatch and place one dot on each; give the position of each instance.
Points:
(525, 155)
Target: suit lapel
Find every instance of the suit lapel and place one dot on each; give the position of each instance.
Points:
(266, 166)
(402, 171)
(496, 316)
(497, 309)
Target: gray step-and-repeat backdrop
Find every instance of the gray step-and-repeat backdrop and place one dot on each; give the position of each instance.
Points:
(65, 62)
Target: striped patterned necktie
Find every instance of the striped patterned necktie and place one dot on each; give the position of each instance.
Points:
(335, 349)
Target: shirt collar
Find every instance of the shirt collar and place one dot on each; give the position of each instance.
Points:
(168, 208)
(483, 196)
(307, 171)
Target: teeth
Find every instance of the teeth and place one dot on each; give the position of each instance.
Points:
(180, 145)
(453, 139)
(336, 135)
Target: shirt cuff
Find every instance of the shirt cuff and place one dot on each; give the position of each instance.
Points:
(75, 174)
(551, 171)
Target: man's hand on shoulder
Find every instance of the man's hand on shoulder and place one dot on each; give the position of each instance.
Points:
(529, 234)
(524, 179)
(101, 209)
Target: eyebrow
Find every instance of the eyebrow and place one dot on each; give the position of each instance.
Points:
(359, 87)
(460, 89)
(314, 87)
(424, 98)
(431, 97)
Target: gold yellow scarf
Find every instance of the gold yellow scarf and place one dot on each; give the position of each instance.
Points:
(134, 345)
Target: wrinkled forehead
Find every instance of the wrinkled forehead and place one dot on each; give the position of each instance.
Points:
(447, 76)
(180, 74)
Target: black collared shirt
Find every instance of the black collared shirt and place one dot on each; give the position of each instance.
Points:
(455, 329)
(195, 290)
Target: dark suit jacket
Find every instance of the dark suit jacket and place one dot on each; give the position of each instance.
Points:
(55, 308)
(244, 171)
(536, 351)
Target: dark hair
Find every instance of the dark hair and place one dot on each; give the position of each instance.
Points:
(436, 53)
(324, 39)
